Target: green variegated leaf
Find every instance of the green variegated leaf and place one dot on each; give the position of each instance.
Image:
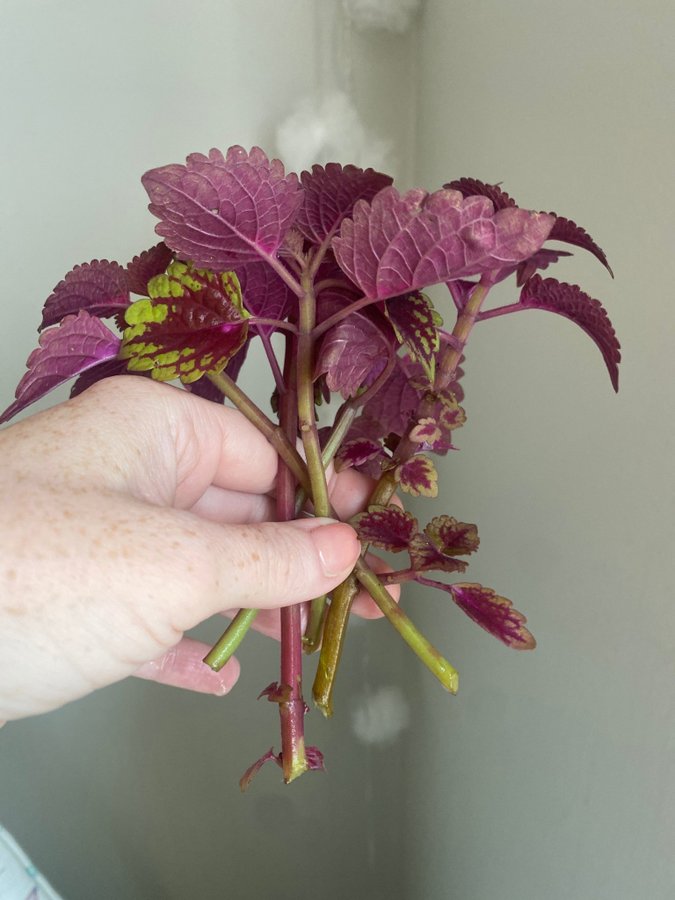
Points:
(443, 539)
(191, 325)
(416, 324)
(418, 477)
(387, 527)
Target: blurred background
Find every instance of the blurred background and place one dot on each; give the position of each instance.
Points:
(551, 774)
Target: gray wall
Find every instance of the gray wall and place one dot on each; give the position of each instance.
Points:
(552, 774)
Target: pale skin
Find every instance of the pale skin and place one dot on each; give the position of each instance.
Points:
(131, 514)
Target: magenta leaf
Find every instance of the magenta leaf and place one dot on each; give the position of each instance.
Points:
(399, 244)
(539, 261)
(314, 759)
(394, 404)
(252, 771)
(350, 351)
(493, 613)
(100, 287)
(146, 265)
(357, 453)
(472, 187)
(192, 324)
(570, 233)
(264, 294)
(416, 324)
(78, 343)
(418, 476)
(223, 211)
(570, 301)
(276, 693)
(330, 194)
(387, 527)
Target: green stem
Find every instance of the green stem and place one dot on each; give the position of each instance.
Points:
(432, 659)
(334, 630)
(231, 638)
(272, 432)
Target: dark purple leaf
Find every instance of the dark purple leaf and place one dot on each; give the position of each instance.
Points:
(418, 476)
(387, 527)
(66, 350)
(224, 211)
(314, 759)
(399, 244)
(460, 291)
(330, 194)
(540, 260)
(570, 301)
(416, 324)
(493, 613)
(472, 187)
(350, 351)
(99, 287)
(395, 402)
(357, 452)
(252, 771)
(146, 265)
(276, 693)
(264, 294)
(192, 325)
(97, 373)
(443, 539)
(570, 233)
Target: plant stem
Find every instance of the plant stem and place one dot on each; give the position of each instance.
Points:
(432, 659)
(341, 314)
(272, 432)
(334, 630)
(231, 638)
(452, 354)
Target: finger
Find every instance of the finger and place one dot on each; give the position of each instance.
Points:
(364, 606)
(235, 507)
(183, 666)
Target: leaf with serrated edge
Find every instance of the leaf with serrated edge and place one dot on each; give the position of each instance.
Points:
(471, 187)
(418, 476)
(264, 293)
(75, 345)
(330, 193)
(357, 452)
(398, 244)
(222, 211)
(452, 537)
(147, 265)
(349, 353)
(100, 287)
(570, 233)
(387, 527)
(416, 324)
(192, 324)
(570, 301)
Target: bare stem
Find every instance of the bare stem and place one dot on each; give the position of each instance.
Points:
(233, 635)
(334, 631)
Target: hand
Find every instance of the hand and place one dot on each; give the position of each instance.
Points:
(129, 515)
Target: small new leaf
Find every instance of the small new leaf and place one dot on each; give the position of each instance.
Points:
(418, 477)
(78, 343)
(350, 351)
(192, 324)
(99, 287)
(416, 324)
(444, 538)
(387, 527)
(570, 301)
(147, 265)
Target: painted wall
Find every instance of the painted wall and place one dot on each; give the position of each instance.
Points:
(552, 775)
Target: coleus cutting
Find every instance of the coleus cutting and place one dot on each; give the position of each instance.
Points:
(335, 262)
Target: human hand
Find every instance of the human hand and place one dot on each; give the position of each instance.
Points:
(129, 515)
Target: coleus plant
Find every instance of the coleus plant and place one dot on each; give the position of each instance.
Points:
(335, 262)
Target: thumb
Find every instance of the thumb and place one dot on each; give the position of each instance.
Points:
(271, 564)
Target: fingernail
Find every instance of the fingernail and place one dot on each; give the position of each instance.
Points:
(337, 547)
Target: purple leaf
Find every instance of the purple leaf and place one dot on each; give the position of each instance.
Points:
(77, 344)
(223, 211)
(399, 244)
(264, 293)
(472, 187)
(460, 290)
(330, 194)
(570, 233)
(388, 527)
(493, 613)
(570, 301)
(416, 324)
(350, 351)
(252, 771)
(192, 325)
(540, 260)
(395, 402)
(314, 759)
(444, 538)
(106, 369)
(146, 265)
(100, 287)
(418, 476)
(276, 693)
(357, 453)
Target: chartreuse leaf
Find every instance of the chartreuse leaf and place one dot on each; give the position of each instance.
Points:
(416, 325)
(192, 324)
(418, 476)
(387, 527)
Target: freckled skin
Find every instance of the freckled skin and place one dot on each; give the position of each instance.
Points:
(129, 515)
